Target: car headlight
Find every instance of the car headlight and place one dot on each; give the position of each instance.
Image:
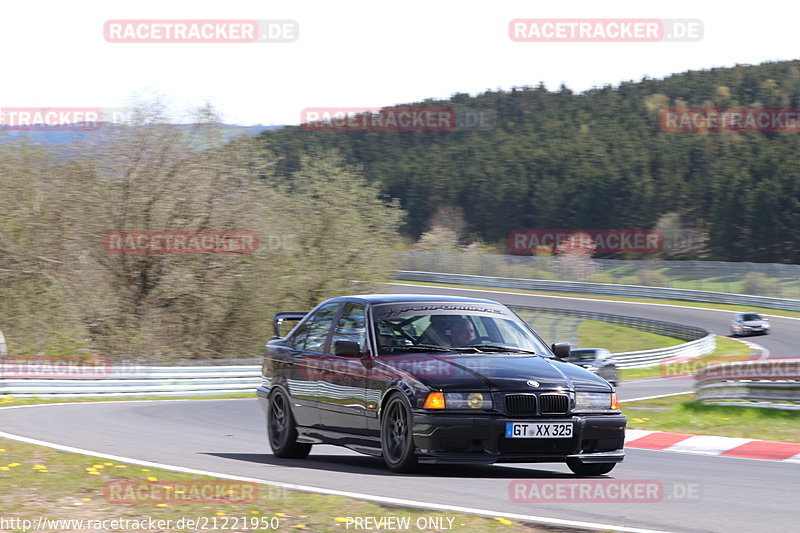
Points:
(458, 400)
(596, 401)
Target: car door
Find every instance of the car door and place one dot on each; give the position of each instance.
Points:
(308, 344)
(342, 397)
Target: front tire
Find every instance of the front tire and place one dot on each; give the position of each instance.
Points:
(281, 429)
(397, 441)
(590, 469)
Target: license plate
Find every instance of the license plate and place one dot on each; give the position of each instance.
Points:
(541, 430)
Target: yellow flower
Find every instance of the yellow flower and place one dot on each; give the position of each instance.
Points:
(2, 450)
(280, 514)
(86, 499)
(161, 505)
(39, 467)
(151, 478)
(645, 419)
(120, 466)
(340, 519)
(503, 521)
(254, 512)
(180, 492)
(5, 468)
(12, 465)
(145, 469)
(300, 526)
(726, 418)
(108, 464)
(98, 467)
(93, 473)
(229, 492)
(219, 513)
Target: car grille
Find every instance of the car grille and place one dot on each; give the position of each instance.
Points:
(554, 404)
(521, 404)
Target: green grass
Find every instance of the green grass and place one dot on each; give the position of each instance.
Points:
(683, 414)
(62, 487)
(597, 334)
(679, 303)
(727, 350)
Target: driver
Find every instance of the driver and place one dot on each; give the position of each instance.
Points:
(462, 332)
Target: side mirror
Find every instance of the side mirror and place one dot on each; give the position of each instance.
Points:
(561, 350)
(346, 348)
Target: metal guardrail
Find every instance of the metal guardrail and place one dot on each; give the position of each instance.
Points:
(701, 342)
(139, 381)
(768, 382)
(608, 289)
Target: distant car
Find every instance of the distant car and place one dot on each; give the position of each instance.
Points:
(749, 324)
(420, 379)
(597, 360)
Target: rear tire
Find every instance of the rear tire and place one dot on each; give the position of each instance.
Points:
(397, 440)
(590, 469)
(281, 429)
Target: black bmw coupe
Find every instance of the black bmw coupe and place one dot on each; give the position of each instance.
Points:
(419, 379)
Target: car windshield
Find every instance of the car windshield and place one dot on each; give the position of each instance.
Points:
(401, 328)
(582, 355)
(751, 316)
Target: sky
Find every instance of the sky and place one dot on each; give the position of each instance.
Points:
(356, 53)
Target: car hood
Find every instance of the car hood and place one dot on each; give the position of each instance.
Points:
(755, 323)
(496, 371)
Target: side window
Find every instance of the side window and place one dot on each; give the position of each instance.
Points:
(351, 326)
(312, 334)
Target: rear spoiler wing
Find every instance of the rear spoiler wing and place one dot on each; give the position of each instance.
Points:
(280, 317)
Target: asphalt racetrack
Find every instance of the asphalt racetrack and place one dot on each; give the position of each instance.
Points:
(701, 493)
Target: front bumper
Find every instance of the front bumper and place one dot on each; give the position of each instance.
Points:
(448, 438)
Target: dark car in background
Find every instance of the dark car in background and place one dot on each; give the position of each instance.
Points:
(749, 324)
(434, 379)
(597, 360)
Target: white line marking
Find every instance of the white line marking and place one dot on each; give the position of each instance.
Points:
(754, 346)
(644, 380)
(658, 396)
(636, 434)
(795, 459)
(488, 289)
(707, 444)
(317, 490)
